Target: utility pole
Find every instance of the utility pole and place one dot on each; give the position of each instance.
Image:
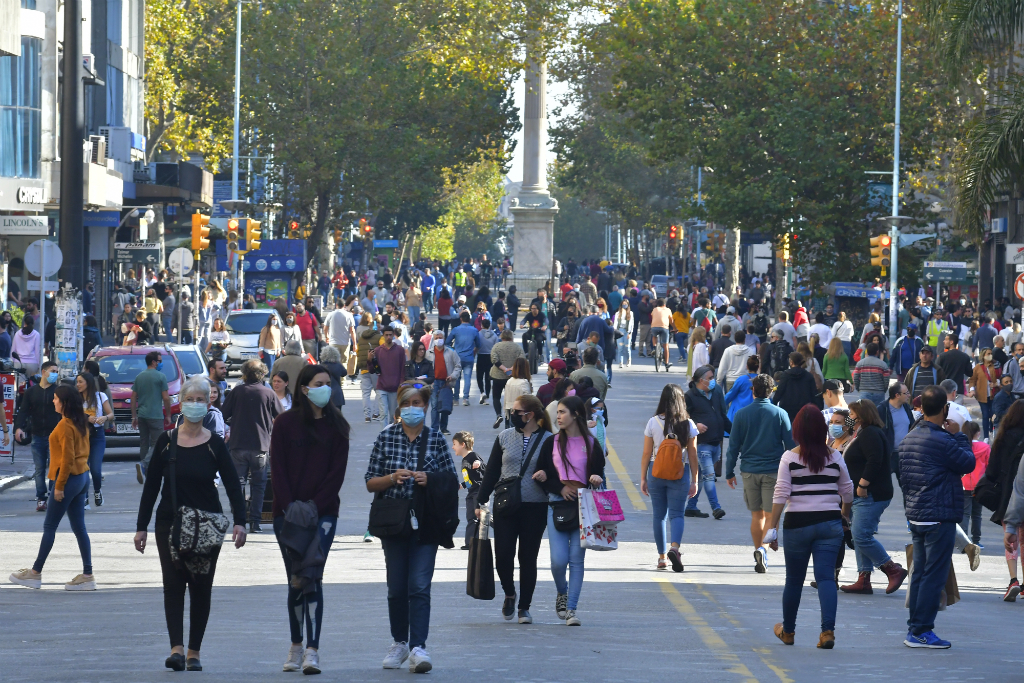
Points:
(895, 227)
(72, 170)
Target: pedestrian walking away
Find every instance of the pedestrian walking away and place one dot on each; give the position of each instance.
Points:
(98, 411)
(813, 480)
(308, 457)
(569, 461)
(68, 477)
(473, 470)
(182, 472)
(151, 408)
(668, 476)
(38, 416)
(520, 505)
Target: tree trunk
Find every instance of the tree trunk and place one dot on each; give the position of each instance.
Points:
(732, 261)
(780, 283)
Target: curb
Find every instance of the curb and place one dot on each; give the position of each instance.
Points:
(9, 482)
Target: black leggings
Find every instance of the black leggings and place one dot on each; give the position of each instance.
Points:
(497, 386)
(199, 590)
(483, 373)
(527, 526)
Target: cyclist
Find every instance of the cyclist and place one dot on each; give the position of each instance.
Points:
(535, 324)
(661, 321)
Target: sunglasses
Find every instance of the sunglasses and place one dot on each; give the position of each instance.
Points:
(520, 412)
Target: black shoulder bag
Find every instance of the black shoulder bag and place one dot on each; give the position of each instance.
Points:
(508, 493)
(390, 517)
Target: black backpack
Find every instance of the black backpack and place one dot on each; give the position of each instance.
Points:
(780, 355)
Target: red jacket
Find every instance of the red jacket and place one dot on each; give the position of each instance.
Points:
(981, 453)
(800, 317)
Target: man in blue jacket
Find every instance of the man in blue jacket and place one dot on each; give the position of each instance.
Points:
(760, 434)
(466, 343)
(905, 351)
(594, 323)
(933, 458)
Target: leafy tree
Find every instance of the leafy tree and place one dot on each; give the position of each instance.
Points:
(577, 228)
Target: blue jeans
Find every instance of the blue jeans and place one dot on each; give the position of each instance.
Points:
(822, 540)
(986, 417)
(848, 349)
(390, 401)
(864, 526)
(681, 338)
(608, 370)
(302, 606)
(668, 499)
(410, 566)
(414, 314)
(186, 336)
(623, 349)
(933, 551)
(97, 447)
(875, 397)
(428, 302)
(76, 493)
(439, 411)
(706, 457)
(566, 553)
(467, 378)
(41, 460)
(167, 322)
(268, 359)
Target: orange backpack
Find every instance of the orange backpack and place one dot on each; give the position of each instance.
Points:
(668, 461)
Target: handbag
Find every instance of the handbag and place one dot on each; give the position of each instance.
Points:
(508, 493)
(480, 571)
(596, 534)
(390, 517)
(988, 493)
(565, 515)
(195, 534)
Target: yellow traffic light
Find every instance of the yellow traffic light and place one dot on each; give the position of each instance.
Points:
(233, 234)
(200, 232)
(783, 250)
(880, 250)
(252, 235)
(293, 230)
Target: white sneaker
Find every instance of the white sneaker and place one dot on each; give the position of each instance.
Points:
(310, 662)
(294, 661)
(419, 661)
(397, 654)
(973, 553)
(571, 619)
(81, 583)
(26, 577)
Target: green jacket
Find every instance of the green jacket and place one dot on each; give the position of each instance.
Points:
(837, 369)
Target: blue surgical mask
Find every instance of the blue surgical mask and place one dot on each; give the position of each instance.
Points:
(835, 431)
(52, 377)
(194, 412)
(412, 415)
(320, 396)
(598, 414)
(712, 384)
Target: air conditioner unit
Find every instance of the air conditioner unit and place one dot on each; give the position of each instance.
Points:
(119, 142)
(98, 150)
(143, 172)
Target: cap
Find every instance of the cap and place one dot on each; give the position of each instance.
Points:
(462, 298)
(731, 309)
(833, 385)
(557, 364)
(911, 326)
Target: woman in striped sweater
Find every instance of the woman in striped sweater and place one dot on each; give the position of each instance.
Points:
(814, 480)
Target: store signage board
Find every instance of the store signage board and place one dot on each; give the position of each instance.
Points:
(24, 225)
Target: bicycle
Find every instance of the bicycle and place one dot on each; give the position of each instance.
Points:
(659, 356)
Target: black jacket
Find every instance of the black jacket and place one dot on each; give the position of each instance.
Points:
(414, 369)
(868, 458)
(1003, 461)
(796, 389)
(709, 412)
(718, 347)
(440, 507)
(37, 413)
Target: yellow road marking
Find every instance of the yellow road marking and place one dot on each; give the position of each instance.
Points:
(631, 491)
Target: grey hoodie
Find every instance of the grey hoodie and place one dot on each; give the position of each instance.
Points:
(487, 341)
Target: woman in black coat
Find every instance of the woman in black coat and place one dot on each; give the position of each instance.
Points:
(796, 388)
(1004, 458)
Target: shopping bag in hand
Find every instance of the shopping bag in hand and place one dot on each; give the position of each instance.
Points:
(480, 572)
(595, 534)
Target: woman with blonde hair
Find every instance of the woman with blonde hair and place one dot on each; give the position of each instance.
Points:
(623, 325)
(518, 385)
(810, 363)
(837, 364)
(697, 356)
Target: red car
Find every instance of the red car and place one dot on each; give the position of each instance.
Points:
(120, 365)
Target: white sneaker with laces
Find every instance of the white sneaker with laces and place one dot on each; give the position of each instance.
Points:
(419, 661)
(310, 662)
(571, 619)
(294, 661)
(81, 583)
(26, 577)
(397, 654)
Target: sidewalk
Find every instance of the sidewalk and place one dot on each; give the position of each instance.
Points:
(22, 469)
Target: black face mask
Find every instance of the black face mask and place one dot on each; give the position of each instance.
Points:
(518, 421)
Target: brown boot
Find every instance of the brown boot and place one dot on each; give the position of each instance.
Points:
(786, 638)
(827, 640)
(897, 575)
(862, 585)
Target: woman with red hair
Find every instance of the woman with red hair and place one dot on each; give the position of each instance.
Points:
(814, 480)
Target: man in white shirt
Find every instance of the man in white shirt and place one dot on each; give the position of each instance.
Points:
(719, 300)
(341, 333)
(823, 331)
(843, 329)
(956, 411)
(786, 328)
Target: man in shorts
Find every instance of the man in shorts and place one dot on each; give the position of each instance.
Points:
(760, 434)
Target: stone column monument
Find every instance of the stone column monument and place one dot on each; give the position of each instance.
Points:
(533, 212)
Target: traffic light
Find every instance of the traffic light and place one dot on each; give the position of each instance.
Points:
(200, 232)
(233, 234)
(365, 229)
(252, 234)
(337, 237)
(783, 251)
(293, 231)
(673, 238)
(880, 249)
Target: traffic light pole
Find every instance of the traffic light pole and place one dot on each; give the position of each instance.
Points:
(895, 227)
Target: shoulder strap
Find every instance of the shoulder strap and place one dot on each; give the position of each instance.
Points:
(529, 454)
(421, 456)
(172, 460)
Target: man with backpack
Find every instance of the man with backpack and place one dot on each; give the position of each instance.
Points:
(780, 351)
(759, 320)
(923, 374)
(761, 433)
(704, 316)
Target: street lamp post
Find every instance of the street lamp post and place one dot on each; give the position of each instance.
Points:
(894, 227)
(238, 86)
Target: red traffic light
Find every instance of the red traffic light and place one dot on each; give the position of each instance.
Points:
(673, 232)
(885, 240)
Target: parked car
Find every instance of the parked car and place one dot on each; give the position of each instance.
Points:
(193, 359)
(120, 365)
(244, 327)
(662, 284)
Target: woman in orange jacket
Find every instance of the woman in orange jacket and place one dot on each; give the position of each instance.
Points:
(69, 490)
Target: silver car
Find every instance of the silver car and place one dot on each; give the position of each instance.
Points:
(192, 359)
(243, 326)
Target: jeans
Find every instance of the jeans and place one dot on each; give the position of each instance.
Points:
(97, 447)
(410, 567)
(168, 325)
(706, 457)
(268, 358)
(149, 432)
(368, 383)
(76, 494)
(566, 553)
(668, 499)
(390, 401)
(972, 516)
(303, 606)
(186, 337)
(822, 541)
(252, 465)
(428, 302)
(414, 314)
(864, 526)
(681, 339)
(875, 397)
(933, 552)
(438, 416)
(467, 379)
(41, 460)
(525, 526)
(624, 350)
(848, 348)
(986, 417)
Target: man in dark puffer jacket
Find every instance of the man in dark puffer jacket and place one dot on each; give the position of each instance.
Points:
(933, 458)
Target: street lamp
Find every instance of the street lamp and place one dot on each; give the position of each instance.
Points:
(895, 219)
(148, 215)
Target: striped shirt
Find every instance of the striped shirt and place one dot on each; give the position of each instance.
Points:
(812, 498)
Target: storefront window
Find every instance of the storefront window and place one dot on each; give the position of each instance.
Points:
(21, 112)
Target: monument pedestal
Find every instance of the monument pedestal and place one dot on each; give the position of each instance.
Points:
(532, 241)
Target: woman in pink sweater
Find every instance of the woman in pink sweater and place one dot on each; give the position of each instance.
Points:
(814, 480)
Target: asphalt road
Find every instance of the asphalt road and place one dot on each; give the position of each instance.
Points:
(711, 623)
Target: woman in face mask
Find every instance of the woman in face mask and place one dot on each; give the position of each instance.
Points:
(308, 456)
(270, 341)
(407, 457)
(514, 456)
(200, 457)
(291, 330)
